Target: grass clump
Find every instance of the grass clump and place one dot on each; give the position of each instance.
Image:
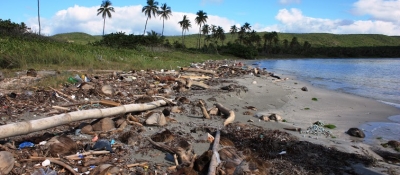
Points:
(314, 99)
(306, 108)
(330, 126)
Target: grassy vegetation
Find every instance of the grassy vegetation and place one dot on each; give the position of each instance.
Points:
(24, 54)
(314, 99)
(74, 53)
(330, 126)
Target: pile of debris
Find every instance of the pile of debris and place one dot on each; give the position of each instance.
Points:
(150, 122)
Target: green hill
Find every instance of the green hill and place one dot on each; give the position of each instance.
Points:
(316, 39)
(77, 37)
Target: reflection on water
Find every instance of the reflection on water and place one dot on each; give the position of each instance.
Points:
(373, 78)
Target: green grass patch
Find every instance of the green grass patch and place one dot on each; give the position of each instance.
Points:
(333, 137)
(330, 126)
(314, 99)
(284, 120)
(17, 54)
(306, 108)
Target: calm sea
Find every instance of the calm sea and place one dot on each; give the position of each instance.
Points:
(377, 78)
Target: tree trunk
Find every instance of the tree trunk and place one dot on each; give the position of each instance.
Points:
(27, 127)
(162, 33)
(104, 25)
(38, 10)
(182, 37)
(199, 42)
(144, 31)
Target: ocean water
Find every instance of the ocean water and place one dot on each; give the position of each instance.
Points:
(378, 79)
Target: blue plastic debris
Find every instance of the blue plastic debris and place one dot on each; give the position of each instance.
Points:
(112, 142)
(26, 145)
(102, 144)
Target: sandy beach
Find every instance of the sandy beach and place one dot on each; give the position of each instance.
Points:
(285, 97)
(285, 151)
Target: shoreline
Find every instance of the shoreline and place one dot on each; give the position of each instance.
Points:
(285, 97)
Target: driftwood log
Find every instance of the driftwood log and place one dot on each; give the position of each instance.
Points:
(27, 127)
(215, 157)
(188, 69)
(226, 112)
(189, 83)
(203, 110)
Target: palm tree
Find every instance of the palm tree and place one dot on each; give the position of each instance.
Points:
(233, 30)
(247, 27)
(164, 13)
(205, 31)
(200, 19)
(185, 24)
(220, 34)
(38, 5)
(151, 9)
(105, 10)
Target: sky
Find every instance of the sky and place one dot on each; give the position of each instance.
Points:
(286, 16)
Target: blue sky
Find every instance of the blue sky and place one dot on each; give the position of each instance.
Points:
(294, 16)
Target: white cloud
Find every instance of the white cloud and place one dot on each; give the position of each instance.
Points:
(128, 19)
(385, 10)
(286, 2)
(294, 21)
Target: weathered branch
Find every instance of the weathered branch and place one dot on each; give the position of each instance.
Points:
(215, 157)
(222, 109)
(188, 69)
(230, 118)
(26, 127)
(204, 110)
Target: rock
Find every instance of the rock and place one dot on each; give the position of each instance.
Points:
(166, 112)
(304, 88)
(61, 145)
(88, 129)
(156, 118)
(275, 117)
(107, 89)
(87, 86)
(356, 132)
(6, 162)
(105, 124)
(254, 82)
(394, 144)
(31, 73)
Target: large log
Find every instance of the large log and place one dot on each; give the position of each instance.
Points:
(215, 157)
(27, 127)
